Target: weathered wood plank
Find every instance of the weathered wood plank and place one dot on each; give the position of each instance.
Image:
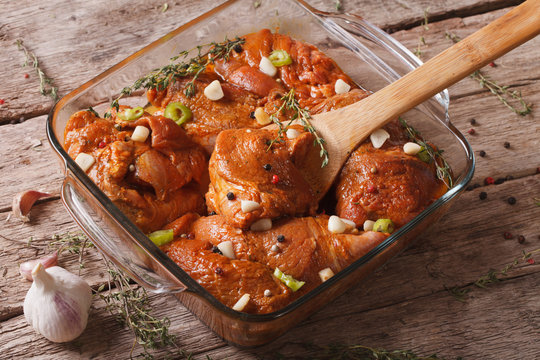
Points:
(93, 38)
(485, 325)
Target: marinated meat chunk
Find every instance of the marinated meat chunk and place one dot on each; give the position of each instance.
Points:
(208, 117)
(147, 180)
(244, 167)
(399, 188)
(306, 247)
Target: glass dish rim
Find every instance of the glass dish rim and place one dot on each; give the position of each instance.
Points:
(153, 251)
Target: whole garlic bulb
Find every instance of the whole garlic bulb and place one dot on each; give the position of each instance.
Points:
(57, 303)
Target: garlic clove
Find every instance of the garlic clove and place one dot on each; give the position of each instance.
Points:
(47, 261)
(379, 137)
(23, 202)
(57, 303)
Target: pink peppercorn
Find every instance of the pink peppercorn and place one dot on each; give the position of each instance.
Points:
(489, 181)
(275, 179)
(371, 189)
(102, 144)
(530, 261)
(471, 131)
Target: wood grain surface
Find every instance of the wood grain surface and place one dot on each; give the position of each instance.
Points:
(404, 305)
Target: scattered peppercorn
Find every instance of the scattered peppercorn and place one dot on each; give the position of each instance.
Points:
(373, 170)
(127, 138)
(521, 239)
(473, 122)
(267, 167)
(238, 48)
(252, 114)
(230, 195)
(212, 213)
(471, 131)
(117, 126)
(191, 236)
(512, 200)
(469, 188)
(26, 76)
(508, 235)
(216, 250)
(499, 181)
(371, 189)
(475, 186)
(489, 181)
(102, 144)
(2, 101)
(530, 261)
(492, 64)
(281, 238)
(483, 195)
(219, 270)
(275, 179)
(507, 145)
(482, 153)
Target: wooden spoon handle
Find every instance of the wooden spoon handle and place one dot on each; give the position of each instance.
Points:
(455, 63)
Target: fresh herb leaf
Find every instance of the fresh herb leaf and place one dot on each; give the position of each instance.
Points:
(92, 111)
(338, 5)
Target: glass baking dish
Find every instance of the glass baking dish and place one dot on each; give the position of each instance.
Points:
(367, 54)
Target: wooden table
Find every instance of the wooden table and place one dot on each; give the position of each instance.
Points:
(404, 305)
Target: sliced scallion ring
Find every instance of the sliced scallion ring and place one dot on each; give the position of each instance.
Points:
(161, 237)
(131, 114)
(384, 225)
(280, 58)
(424, 155)
(288, 280)
(178, 112)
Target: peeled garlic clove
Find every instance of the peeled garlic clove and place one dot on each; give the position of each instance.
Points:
(47, 261)
(57, 304)
(378, 138)
(23, 202)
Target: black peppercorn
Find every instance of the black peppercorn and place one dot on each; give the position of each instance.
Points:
(483, 195)
(511, 200)
(476, 186)
(499, 181)
(267, 167)
(230, 195)
(469, 188)
(507, 235)
(521, 239)
(506, 144)
(281, 238)
(473, 122)
(211, 213)
(482, 153)
(238, 48)
(219, 270)
(216, 250)
(252, 114)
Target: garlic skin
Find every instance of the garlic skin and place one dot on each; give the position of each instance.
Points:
(57, 303)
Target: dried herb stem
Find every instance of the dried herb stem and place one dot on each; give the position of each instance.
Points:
(289, 103)
(46, 84)
(421, 39)
(160, 78)
(501, 92)
(443, 170)
(360, 352)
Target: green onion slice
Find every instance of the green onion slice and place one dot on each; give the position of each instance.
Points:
(288, 280)
(384, 225)
(424, 155)
(280, 58)
(161, 237)
(131, 114)
(178, 112)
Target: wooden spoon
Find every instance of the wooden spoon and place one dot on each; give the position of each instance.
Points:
(345, 128)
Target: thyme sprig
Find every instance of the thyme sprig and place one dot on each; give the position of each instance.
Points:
(74, 243)
(422, 40)
(46, 84)
(160, 78)
(491, 277)
(435, 156)
(360, 352)
(131, 306)
(501, 92)
(289, 103)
